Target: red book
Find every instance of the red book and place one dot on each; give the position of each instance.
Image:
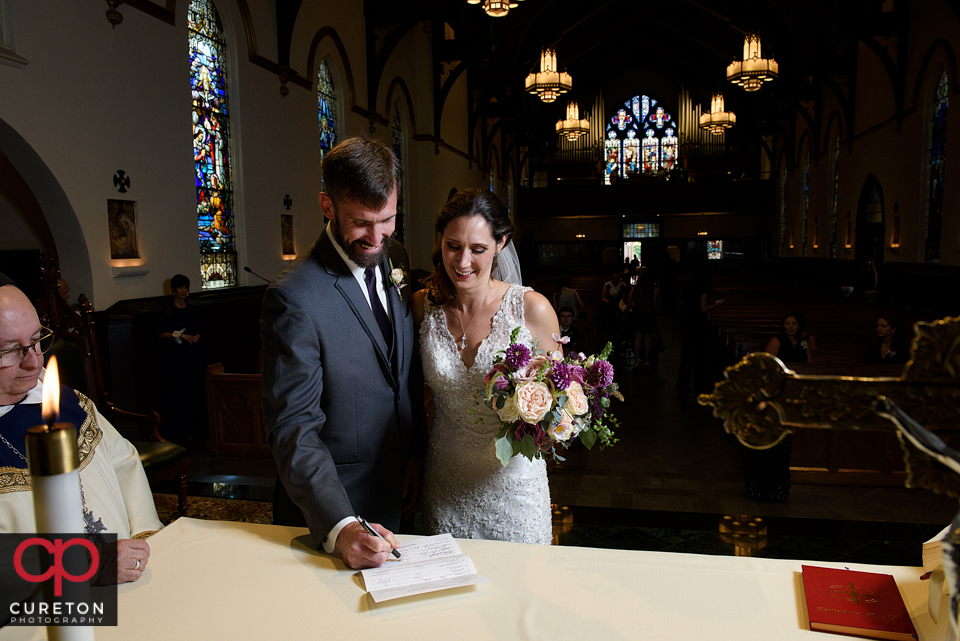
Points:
(861, 604)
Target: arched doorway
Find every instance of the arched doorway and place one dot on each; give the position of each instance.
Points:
(870, 226)
(61, 220)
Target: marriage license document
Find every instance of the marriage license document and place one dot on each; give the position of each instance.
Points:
(426, 565)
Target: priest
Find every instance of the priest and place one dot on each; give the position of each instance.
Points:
(113, 487)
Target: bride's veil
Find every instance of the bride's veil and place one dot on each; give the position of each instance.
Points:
(508, 265)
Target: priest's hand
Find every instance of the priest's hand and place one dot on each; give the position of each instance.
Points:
(131, 558)
(361, 550)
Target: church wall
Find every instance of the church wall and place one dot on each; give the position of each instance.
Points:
(94, 99)
(897, 153)
(19, 212)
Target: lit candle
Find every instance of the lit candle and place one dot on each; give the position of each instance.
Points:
(53, 465)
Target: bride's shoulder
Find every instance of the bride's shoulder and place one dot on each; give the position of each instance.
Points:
(536, 305)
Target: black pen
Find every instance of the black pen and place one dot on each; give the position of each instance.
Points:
(372, 532)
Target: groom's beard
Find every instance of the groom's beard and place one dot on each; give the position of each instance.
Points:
(355, 253)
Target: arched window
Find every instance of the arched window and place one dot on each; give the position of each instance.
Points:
(836, 193)
(326, 109)
(211, 147)
(396, 132)
(641, 137)
(938, 148)
(806, 198)
(783, 205)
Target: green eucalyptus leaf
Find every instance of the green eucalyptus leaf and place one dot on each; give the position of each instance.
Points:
(588, 437)
(504, 450)
(528, 447)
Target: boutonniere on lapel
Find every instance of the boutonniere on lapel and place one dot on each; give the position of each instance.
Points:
(397, 276)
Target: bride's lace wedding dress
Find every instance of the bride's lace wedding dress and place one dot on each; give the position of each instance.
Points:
(467, 492)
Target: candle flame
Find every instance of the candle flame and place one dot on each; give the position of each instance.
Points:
(51, 393)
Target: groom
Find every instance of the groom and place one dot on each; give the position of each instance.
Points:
(342, 390)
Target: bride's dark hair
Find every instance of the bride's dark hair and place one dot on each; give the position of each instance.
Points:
(466, 202)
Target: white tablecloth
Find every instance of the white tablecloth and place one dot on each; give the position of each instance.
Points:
(224, 580)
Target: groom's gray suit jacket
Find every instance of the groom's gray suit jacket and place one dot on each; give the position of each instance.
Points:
(342, 412)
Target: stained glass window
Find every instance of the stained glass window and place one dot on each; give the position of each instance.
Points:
(668, 150)
(714, 249)
(612, 147)
(631, 153)
(836, 193)
(397, 138)
(211, 146)
(641, 230)
(326, 109)
(938, 148)
(641, 138)
(806, 199)
(651, 154)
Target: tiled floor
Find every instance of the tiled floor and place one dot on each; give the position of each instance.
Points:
(671, 481)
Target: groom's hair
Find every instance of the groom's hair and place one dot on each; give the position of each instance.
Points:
(361, 169)
(466, 202)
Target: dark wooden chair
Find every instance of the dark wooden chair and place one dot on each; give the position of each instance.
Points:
(79, 362)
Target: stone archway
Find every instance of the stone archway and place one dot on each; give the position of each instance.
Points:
(55, 207)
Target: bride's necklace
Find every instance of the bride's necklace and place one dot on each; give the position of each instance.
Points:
(463, 339)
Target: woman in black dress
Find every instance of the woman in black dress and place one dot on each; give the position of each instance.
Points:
(888, 347)
(791, 345)
(767, 472)
(180, 333)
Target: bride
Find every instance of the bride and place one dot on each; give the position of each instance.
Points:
(465, 318)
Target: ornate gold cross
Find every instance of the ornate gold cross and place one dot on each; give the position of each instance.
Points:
(761, 401)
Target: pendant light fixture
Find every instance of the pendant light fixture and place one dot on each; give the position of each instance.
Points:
(495, 8)
(573, 127)
(550, 82)
(751, 72)
(717, 120)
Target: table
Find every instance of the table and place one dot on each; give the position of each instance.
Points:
(226, 580)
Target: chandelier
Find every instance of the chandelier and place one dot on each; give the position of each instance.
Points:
(718, 119)
(550, 82)
(573, 127)
(495, 8)
(751, 72)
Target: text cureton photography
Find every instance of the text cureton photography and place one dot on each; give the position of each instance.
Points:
(52, 579)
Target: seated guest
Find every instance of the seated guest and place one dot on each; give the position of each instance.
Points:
(566, 296)
(791, 345)
(114, 490)
(889, 347)
(568, 330)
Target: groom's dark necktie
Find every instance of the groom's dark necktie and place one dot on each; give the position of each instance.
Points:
(378, 311)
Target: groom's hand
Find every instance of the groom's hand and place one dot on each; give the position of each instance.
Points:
(361, 550)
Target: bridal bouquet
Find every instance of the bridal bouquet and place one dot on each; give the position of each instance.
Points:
(545, 401)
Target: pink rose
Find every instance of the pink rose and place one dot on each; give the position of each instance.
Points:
(563, 430)
(577, 402)
(529, 373)
(534, 400)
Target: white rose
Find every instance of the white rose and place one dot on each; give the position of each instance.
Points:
(396, 275)
(509, 413)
